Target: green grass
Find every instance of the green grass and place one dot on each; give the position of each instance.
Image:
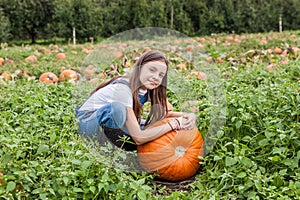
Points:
(256, 156)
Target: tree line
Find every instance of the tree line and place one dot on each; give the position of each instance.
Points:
(44, 19)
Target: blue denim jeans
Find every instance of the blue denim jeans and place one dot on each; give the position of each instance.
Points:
(112, 115)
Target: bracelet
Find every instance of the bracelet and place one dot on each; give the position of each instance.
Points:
(177, 124)
(171, 126)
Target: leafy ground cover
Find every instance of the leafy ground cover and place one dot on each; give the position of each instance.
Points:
(256, 156)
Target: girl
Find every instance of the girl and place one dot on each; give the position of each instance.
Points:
(118, 103)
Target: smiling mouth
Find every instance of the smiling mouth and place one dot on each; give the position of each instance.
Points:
(153, 83)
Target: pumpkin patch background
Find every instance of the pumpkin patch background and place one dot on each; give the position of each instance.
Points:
(256, 155)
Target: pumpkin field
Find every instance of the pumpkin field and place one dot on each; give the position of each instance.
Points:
(254, 80)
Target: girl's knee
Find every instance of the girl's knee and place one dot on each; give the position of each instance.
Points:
(118, 107)
(112, 115)
(118, 113)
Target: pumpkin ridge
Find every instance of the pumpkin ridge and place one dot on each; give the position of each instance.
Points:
(163, 157)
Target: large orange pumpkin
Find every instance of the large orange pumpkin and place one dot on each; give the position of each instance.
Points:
(49, 77)
(173, 156)
(68, 75)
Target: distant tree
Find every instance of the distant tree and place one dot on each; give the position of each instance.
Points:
(4, 27)
(28, 16)
(32, 19)
(215, 21)
(116, 16)
(178, 17)
(157, 13)
(84, 16)
(229, 15)
(291, 15)
(140, 12)
(197, 12)
(245, 19)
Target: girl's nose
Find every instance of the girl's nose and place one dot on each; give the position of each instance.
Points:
(156, 76)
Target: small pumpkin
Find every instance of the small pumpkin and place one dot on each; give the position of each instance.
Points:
(278, 50)
(2, 61)
(49, 77)
(31, 58)
(86, 50)
(173, 156)
(6, 76)
(219, 60)
(68, 75)
(200, 75)
(189, 48)
(61, 56)
(88, 74)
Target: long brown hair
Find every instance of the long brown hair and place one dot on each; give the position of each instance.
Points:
(157, 96)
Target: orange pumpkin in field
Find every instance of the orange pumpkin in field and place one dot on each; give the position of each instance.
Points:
(49, 77)
(6, 76)
(68, 75)
(2, 61)
(61, 56)
(31, 58)
(277, 50)
(173, 156)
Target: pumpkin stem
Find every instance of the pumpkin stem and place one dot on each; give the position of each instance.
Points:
(180, 151)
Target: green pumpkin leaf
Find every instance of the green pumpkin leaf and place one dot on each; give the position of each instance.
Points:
(10, 186)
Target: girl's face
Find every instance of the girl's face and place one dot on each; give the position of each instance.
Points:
(152, 74)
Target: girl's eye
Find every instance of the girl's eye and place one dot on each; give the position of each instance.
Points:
(161, 75)
(152, 69)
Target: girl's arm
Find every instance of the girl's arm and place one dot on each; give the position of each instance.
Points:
(148, 134)
(174, 114)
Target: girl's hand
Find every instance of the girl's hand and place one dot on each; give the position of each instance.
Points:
(189, 121)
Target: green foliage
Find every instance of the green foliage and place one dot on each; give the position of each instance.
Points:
(4, 27)
(94, 18)
(81, 15)
(41, 152)
(256, 156)
(29, 17)
(290, 15)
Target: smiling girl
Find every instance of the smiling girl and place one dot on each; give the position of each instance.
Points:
(118, 103)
